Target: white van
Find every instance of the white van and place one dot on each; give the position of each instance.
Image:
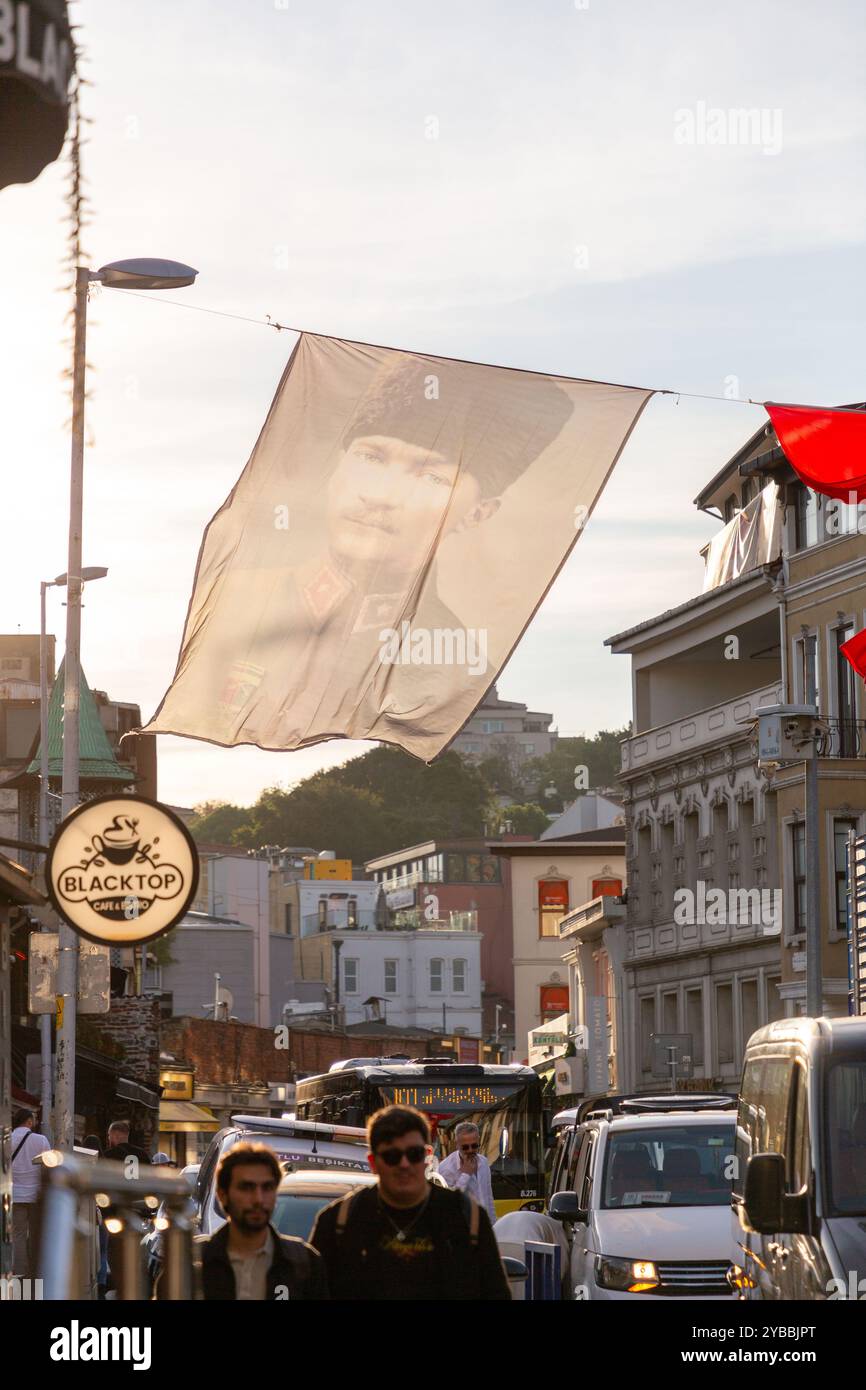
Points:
(644, 1196)
(298, 1144)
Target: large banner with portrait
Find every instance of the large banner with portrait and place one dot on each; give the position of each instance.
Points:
(397, 525)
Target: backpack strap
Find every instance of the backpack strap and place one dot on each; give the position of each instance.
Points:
(343, 1212)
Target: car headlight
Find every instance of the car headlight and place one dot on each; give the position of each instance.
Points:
(629, 1276)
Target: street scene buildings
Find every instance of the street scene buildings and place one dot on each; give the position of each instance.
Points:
(433, 837)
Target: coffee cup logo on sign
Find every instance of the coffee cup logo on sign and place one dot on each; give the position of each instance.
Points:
(122, 870)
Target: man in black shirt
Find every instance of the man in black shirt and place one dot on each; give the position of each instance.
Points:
(119, 1147)
(404, 1238)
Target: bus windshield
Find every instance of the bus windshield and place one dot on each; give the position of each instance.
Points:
(507, 1115)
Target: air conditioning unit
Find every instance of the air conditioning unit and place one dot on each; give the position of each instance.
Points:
(15, 666)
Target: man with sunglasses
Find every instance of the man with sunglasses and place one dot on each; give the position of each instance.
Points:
(405, 1238)
(467, 1170)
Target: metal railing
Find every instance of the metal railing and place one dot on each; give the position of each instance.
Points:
(73, 1190)
(363, 920)
(842, 738)
(413, 919)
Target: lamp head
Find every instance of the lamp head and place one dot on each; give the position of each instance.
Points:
(145, 274)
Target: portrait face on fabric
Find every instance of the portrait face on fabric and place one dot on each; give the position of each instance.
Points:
(399, 521)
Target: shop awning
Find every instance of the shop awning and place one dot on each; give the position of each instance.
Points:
(183, 1117)
(134, 1091)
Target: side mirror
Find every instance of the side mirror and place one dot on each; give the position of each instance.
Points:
(514, 1269)
(763, 1195)
(565, 1206)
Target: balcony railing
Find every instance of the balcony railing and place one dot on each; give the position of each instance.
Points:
(364, 920)
(729, 720)
(413, 919)
(844, 738)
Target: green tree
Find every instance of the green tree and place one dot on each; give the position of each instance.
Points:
(217, 821)
(599, 755)
(321, 814)
(528, 819)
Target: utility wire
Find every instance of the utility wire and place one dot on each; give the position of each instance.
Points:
(268, 322)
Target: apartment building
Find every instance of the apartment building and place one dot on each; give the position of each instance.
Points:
(548, 879)
(716, 844)
(426, 977)
(460, 883)
(505, 726)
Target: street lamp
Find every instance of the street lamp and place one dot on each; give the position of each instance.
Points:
(94, 572)
(144, 274)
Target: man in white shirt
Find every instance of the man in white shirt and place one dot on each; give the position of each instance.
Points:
(26, 1178)
(467, 1170)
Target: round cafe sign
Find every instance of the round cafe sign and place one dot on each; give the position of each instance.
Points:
(121, 870)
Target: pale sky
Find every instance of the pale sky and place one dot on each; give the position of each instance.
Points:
(505, 182)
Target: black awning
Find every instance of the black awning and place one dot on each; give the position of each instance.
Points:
(36, 60)
(141, 1095)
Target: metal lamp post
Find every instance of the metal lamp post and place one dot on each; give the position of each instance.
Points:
(131, 275)
(94, 572)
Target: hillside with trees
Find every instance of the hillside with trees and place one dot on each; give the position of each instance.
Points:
(386, 799)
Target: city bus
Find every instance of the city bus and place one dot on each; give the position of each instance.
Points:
(503, 1101)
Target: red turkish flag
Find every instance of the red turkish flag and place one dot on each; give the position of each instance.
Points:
(825, 448)
(854, 650)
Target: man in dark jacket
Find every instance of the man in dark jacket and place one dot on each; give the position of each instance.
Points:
(404, 1238)
(248, 1258)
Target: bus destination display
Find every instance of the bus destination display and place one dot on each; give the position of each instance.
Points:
(442, 1096)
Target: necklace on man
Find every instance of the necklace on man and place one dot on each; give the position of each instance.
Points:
(403, 1231)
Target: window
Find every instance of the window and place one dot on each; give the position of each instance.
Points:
(669, 1011)
(578, 1148)
(287, 922)
(644, 861)
(352, 912)
(798, 864)
(434, 868)
(841, 830)
(437, 970)
(847, 694)
(725, 1024)
(529, 749)
(747, 844)
(807, 668)
(350, 975)
(458, 976)
(694, 1000)
(456, 868)
(720, 847)
(553, 1001)
(731, 507)
(798, 1162)
(805, 518)
(774, 1003)
(749, 1008)
(552, 905)
(490, 869)
(151, 977)
(473, 868)
(690, 837)
(323, 913)
(647, 1028)
(606, 888)
(390, 977)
